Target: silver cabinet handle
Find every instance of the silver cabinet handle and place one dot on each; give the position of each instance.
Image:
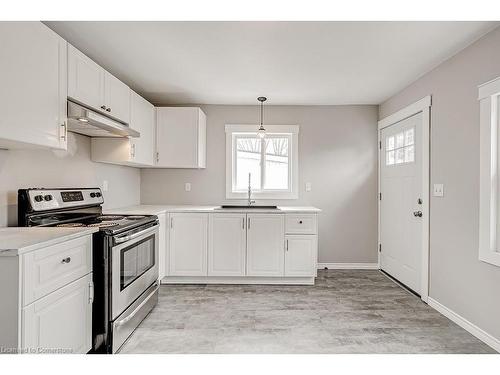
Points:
(66, 260)
(91, 292)
(157, 157)
(132, 150)
(64, 131)
(243, 224)
(171, 222)
(286, 245)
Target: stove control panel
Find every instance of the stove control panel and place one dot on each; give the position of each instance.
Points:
(51, 199)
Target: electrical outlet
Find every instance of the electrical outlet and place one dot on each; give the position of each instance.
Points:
(105, 185)
(438, 190)
(308, 186)
(187, 186)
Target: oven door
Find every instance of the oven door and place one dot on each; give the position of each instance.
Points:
(134, 267)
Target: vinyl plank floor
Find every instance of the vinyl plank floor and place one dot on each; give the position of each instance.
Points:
(346, 311)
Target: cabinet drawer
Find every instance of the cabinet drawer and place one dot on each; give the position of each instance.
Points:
(51, 268)
(301, 224)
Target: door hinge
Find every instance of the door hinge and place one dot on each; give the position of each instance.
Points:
(379, 247)
(380, 145)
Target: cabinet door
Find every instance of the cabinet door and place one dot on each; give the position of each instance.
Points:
(226, 244)
(85, 80)
(300, 255)
(62, 320)
(117, 98)
(265, 245)
(142, 119)
(33, 90)
(177, 137)
(188, 244)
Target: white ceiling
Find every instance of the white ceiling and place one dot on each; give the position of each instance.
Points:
(294, 63)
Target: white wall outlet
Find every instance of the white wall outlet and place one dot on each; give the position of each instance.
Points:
(438, 190)
(187, 186)
(105, 185)
(308, 186)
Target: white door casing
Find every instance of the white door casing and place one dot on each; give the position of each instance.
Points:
(403, 233)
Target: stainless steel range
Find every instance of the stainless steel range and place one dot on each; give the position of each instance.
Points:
(125, 257)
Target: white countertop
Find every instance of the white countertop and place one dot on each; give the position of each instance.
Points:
(146, 209)
(19, 240)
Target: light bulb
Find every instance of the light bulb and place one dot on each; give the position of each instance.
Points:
(261, 132)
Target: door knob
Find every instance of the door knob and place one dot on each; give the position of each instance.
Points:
(417, 213)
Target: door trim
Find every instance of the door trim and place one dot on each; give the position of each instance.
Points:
(421, 106)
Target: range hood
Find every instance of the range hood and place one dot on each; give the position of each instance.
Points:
(85, 121)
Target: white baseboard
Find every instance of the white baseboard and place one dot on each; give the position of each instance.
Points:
(348, 266)
(465, 324)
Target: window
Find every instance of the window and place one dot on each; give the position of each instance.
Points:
(489, 202)
(270, 164)
(400, 148)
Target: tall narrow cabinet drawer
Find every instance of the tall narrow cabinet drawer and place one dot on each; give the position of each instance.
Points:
(300, 224)
(47, 270)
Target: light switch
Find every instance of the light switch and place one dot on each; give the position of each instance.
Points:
(187, 186)
(308, 186)
(438, 190)
(105, 185)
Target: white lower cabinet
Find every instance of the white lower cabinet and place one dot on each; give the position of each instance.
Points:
(300, 255)
(226, 244)
(265, 245)
(47, 297)
(60, 322)
(241, 248)
(188, 244)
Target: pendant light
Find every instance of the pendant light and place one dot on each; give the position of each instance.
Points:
(262, 131)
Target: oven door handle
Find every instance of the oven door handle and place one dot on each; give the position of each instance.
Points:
(132, 314)
(119, 240)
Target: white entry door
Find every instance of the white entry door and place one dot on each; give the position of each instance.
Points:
(401, 205)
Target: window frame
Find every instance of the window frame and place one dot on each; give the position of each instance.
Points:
(235, 131)
(489, 230)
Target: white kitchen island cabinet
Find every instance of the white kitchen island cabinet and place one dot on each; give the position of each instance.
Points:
(188, 244)
(33, 76)
(47, 290)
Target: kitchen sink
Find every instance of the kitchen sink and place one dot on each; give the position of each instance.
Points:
(228, 207)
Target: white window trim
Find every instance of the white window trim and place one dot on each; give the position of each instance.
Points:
(293, 193)
(489, 94)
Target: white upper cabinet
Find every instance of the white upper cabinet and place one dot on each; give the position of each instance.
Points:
(130, 151)
(142, 119)
(33, 90)
(180, 137)
(85, 80)
(91, 85)
(265, 245)
(117, 98)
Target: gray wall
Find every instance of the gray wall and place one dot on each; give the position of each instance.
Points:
(337, 154)
(457, 278)
(72, 168)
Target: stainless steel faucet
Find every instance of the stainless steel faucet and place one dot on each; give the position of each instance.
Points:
(250, 201)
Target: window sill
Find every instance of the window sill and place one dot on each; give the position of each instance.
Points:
(265, 195)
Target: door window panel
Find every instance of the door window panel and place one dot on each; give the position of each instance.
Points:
(136, 260)
(400, 148)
